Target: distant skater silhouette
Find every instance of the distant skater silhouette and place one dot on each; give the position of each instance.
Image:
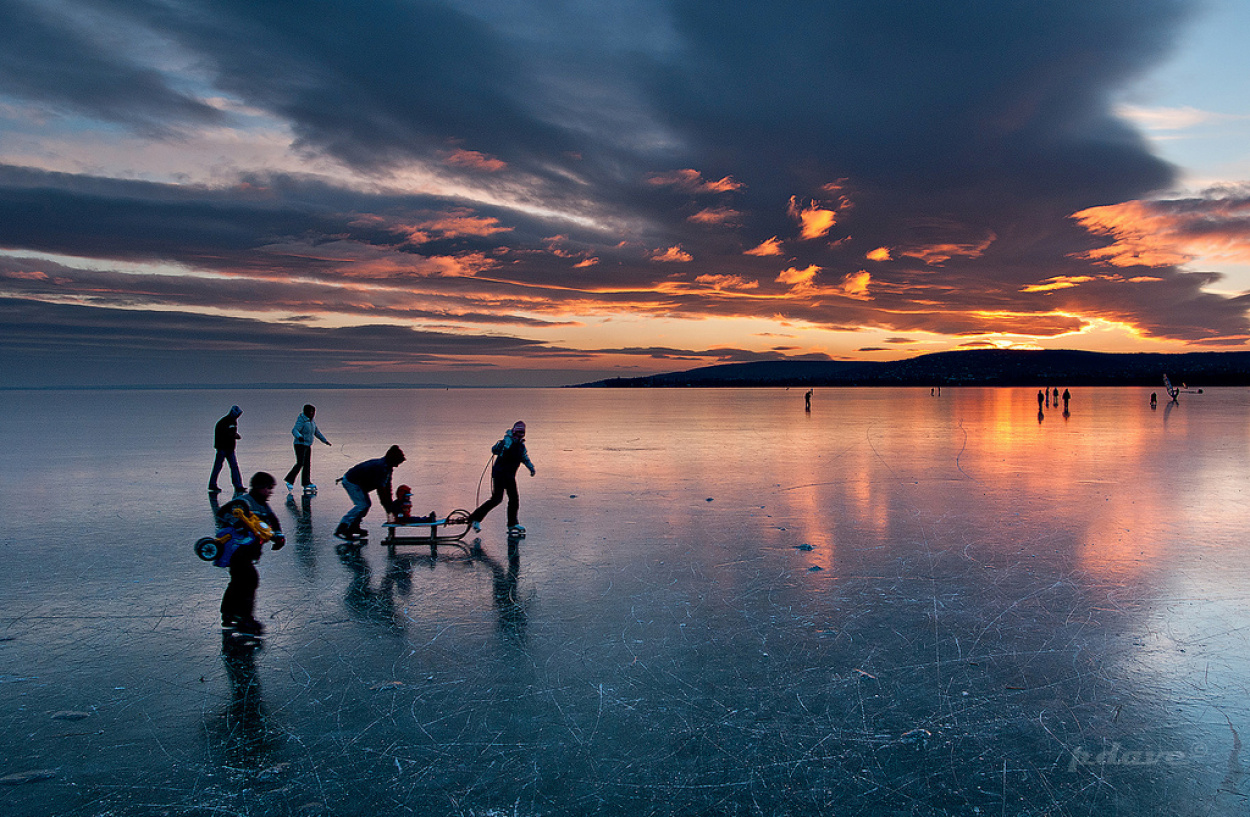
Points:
(1154, 400)
(808, 398)
(1173, 392)
(1041, 396)
(1066, 397)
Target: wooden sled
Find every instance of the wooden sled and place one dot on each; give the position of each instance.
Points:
(417, 531)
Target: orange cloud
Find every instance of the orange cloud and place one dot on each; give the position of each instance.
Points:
(475, 161)
(1059, 282)
(798, 278)
(672, 254)
(716, 215)
(879, 254)
(587, 262)
(1142, 237)
(1069, 281)
(815, 221)
(456, 224)
(937, 254)
(719, 282)
(855, 285)
(692, 181)
(770, 247)
(405, 265)
(1171, 233)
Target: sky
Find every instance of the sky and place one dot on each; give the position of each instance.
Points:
(496, 192)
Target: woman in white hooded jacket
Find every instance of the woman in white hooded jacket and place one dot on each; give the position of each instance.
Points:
(304, 432)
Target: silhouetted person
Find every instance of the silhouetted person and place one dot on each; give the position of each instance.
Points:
(239, 601)
(808, 398)
(370, 475)
(1066, 397)
(1154, 400)
(1041, 397)
(304, 432)
(225, 437)
(509, 454)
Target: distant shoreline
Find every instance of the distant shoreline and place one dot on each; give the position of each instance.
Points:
(978, 367)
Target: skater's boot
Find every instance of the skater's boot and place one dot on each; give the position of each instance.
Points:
(250, 627)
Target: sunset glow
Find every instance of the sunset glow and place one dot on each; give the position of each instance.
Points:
(469, 200)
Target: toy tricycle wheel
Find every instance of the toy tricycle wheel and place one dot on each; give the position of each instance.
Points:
(207, 549)
(457, 524)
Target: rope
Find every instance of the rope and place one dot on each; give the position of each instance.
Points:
(477, 499)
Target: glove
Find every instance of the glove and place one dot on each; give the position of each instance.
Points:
(533, 470)
(279, 541)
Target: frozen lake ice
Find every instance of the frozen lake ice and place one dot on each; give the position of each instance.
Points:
(894, 604)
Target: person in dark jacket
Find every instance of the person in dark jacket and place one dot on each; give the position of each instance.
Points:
(509, 454)
(238, 603)
(225, 436)
(304, 432)
(370, 475)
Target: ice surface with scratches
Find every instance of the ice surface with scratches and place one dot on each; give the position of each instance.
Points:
(895, 603)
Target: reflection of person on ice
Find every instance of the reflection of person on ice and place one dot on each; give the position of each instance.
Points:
(509, 454)
(370, 475)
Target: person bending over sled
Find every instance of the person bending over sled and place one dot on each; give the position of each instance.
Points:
(509, 454)
(370, 475)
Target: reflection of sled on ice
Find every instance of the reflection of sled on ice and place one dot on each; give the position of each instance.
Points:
(427, 530)
(1173, 391)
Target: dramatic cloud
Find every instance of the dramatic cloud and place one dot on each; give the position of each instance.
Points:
(1168, 233)
(410, 180)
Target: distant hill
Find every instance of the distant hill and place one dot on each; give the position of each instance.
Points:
(977, 367)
